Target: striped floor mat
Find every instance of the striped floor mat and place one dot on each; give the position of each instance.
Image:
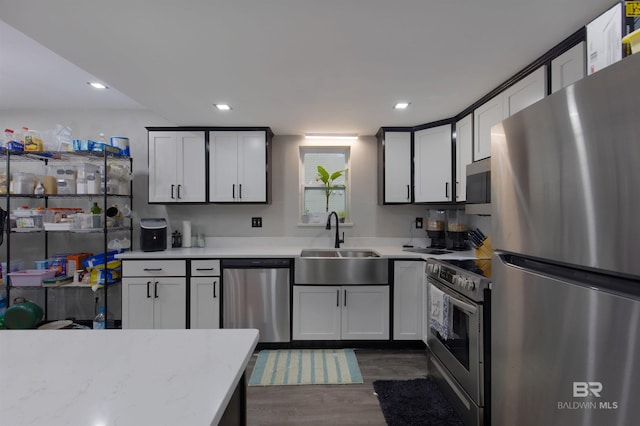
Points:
(305, 367)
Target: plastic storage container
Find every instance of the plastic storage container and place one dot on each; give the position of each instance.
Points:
(28, 219)
(49, 180)
(89, 221)
(31, 277)
(23, 183)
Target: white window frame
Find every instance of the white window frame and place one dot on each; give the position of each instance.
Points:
(341, 149)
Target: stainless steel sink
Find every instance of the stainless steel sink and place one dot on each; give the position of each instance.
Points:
(358, 253)
(319, 253)
(338, 253)
(341, 267)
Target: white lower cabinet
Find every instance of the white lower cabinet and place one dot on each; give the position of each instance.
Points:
(341, 312)
(408, 278)
(205, 302)
(154, 303)
(154, 294)
(205, 294)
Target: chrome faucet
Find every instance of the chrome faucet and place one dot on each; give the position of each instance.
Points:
(338, 240)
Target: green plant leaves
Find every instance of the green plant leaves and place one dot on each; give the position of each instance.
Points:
(328, 179)
(324, 174)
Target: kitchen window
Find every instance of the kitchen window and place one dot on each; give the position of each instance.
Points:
(312, 191)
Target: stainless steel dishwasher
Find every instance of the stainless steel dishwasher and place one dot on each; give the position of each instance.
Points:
(256, 294)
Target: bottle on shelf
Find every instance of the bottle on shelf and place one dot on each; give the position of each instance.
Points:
(99, 322)
(95, 209)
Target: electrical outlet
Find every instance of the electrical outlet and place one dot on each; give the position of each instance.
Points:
(256, 222)
(418, 223)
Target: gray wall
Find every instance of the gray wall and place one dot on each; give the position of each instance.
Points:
(280, 218)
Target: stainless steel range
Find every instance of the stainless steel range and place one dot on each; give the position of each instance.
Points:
(458, 334)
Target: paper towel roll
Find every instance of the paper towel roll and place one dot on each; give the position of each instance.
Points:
(186, 233)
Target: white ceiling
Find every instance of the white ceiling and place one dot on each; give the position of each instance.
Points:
(298, 66)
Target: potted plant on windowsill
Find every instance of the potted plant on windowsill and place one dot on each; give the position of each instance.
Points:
(327, 179)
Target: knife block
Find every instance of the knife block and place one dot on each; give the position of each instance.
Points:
(484, 251)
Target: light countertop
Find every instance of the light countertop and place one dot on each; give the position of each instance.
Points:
(120, 377)
(275, 248)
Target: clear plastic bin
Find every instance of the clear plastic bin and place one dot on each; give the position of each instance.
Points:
(89, 221)
(23, 183)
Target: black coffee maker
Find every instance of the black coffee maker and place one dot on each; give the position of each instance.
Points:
(436, 220)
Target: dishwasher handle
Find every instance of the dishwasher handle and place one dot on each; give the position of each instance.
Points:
(255, 263)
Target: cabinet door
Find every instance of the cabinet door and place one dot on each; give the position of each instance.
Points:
(397, 167)
(170, 303)
(163, 172)
(223, 166)
(485, 117)
(568, 68)
(526, 92)
(433, 164)
(191, 168)
(407, 300)
(464, 155)
(176, 167)
(137, 303)
(205, 302)
(252, 167)
(365, 312)
(316, 312)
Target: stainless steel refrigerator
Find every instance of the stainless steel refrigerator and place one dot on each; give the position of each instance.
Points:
(565, 337)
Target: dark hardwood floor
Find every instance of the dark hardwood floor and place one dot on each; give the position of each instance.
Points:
(353, 404)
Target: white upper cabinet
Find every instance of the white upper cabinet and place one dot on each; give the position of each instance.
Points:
(432, 174)
(525, 92)
(238, 166)
(395, 152)
(568, 68)
(176, 167)
(485, 117)
(464, 154)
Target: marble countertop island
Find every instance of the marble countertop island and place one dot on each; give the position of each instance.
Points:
(120, 377)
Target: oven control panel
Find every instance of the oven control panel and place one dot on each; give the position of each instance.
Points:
(455, 278)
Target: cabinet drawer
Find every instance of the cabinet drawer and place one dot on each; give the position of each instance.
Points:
(154, 268)
(205, 268)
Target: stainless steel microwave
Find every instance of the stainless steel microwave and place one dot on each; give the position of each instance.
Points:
(479, 187)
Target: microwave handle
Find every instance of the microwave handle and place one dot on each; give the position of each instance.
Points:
(446, 190)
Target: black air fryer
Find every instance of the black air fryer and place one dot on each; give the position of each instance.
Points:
(153, 234)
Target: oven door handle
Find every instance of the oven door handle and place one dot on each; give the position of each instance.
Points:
(463, 305)
(470, 309)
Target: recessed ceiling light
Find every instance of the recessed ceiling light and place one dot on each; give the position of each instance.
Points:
(330, 136)
(223, 107)
(401, 105)
(97, 85)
